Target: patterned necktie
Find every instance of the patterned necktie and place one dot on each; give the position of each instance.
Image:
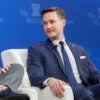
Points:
(74, 84)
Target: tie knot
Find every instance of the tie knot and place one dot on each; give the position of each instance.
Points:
(61, 43)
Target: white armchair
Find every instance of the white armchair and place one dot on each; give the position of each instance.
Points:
(20, 56)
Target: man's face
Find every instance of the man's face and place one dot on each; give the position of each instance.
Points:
(53, 25)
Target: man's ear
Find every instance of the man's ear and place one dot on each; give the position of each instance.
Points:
(64, 22)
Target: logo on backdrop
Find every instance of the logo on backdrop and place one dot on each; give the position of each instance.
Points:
(32, 17)
(95, 17)
(36, 9)
(70, 21)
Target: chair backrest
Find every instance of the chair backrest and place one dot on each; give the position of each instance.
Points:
(17, 56)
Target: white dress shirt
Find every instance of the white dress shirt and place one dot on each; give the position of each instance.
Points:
(71, 59)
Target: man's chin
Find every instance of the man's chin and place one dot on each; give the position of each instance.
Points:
(51, 36)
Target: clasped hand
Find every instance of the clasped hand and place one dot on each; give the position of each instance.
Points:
(5, 69)
(57, 86)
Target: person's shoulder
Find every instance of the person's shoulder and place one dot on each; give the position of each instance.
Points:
(38, 44)
(73, 44)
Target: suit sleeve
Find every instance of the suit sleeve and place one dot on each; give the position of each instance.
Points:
(35, 67)
(94, 75)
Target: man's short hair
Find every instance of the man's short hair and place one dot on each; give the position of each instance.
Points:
(60, 12)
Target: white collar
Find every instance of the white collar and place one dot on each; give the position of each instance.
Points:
(56, 42)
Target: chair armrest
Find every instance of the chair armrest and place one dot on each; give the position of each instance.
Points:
(68, 93)
(30, 92)
(47, 94)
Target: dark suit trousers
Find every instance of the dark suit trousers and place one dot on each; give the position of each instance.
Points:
(95, 89)
(87, 93)
(8, 94)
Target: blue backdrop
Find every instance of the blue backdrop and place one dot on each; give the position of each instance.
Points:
(21, 24)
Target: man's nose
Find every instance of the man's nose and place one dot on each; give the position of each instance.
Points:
(48, 25)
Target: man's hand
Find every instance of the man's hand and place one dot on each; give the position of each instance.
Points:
(5, 69)
(57, 86)
(2, 88)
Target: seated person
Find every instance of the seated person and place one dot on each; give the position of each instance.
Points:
(56, 61)
(10, 79)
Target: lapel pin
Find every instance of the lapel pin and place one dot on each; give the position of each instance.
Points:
(72, 45)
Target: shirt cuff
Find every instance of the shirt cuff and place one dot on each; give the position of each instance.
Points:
(45, 82)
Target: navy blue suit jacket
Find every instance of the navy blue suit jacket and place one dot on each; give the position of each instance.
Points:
(44, 62)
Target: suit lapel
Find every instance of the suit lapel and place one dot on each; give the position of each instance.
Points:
(77, 57)
(53, 49)
(75, 52)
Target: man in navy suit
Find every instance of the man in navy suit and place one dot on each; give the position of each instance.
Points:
(46, 64)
